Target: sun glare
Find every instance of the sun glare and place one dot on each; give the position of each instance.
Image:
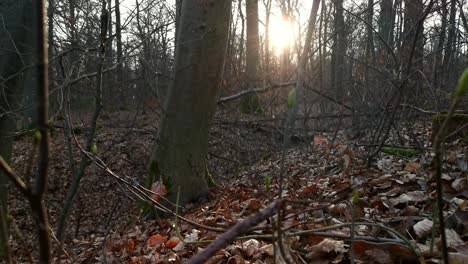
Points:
(281, 34)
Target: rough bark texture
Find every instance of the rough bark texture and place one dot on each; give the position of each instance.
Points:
(179, 156)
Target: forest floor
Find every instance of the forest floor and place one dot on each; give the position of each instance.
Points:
(326, 172)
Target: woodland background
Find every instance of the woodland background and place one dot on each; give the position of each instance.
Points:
(330, 114)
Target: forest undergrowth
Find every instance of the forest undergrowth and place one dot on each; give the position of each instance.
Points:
(391, 205)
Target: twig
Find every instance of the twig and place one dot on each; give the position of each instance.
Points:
(237, 230)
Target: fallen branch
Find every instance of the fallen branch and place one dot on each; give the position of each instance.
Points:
(237, 230)
(252, 91)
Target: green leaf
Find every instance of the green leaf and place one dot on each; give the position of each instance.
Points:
(462, 86)
(292, 98)
(94, 149)
(37, 136)
(267, 183)
(355, 197)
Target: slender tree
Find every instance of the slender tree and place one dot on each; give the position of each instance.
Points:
(118, 35)
(338, 51)
(413, 42)
(250, 103)
(451, 41)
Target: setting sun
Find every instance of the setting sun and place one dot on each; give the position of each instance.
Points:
(281, 34)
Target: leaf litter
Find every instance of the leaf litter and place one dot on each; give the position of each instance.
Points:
(394, 193)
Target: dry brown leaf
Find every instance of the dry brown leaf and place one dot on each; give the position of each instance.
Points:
(318, 140)
(155, 240)
(172, 242)
(412, 167)
(326, 247)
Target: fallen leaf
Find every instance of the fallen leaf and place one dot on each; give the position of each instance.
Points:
(172, 242)
(327, 246)
(159, 190)
(130, 247)
(423, 228)
(155, 240)
(412, 167)
(267, 249)
(193, 236)
(453, 239)
(249, 247)
(318, 140)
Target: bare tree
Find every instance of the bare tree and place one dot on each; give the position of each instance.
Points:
(179, 155)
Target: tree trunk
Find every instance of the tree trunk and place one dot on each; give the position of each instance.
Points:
(301, 71)
(118, 34)
(177, 18)
(450, 49)
(370, 50)
(286, 13)
(250, 104)
(338, 51)
(413, 11)
(437, 70)
(386, 24)
(267, 38)
(179, 153)
(240, 65)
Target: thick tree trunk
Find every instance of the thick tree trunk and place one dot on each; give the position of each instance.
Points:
(179, 155)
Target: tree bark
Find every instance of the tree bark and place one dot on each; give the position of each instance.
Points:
(179, 153)
(338, 51)
(413, 39)
(451, 40)
(118, 35)
(250, 103)
(437, 70)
